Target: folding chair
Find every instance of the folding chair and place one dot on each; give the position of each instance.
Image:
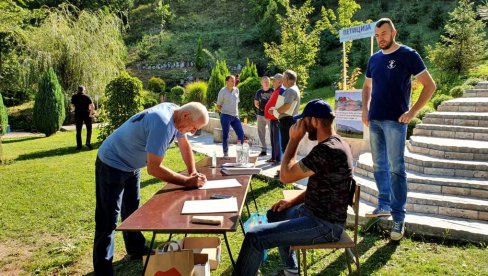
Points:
(349, 245)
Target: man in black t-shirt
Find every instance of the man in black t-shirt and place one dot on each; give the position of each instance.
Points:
(260, 100)
(84, 109)
(317, 215)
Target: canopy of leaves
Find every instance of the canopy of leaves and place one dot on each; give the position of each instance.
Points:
(124, 99)
(464, 45)
(86, 48)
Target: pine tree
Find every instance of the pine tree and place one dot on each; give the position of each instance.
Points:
(248, 71)
(464, 44)
(216, 81)
(199, 62)
(49, 112)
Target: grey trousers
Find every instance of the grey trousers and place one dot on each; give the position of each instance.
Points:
(262, 122)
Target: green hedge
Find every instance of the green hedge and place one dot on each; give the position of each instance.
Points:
(3, 117)
(196, 92)
(176, 94)
(20, 117)
(247, 91)
(156, 85)
(437, 100)
(49, 112)
(457, 91)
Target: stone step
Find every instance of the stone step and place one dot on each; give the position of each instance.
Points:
(456, 132)
(476, 92)
(482, 85)
(475, 119)
(430, 203)
(437, 166)
(418, 182)
(449, 148)
(465, 105)
(430, 225)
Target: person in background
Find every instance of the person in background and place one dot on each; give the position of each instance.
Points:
(318, 214)
(236, 81)
(141, 141)
(84, 109)
(274, 129)
(227, 104)
(386, 101)
(260, 100)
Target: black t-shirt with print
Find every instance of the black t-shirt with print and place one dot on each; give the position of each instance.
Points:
(327, 194)
(263, 97)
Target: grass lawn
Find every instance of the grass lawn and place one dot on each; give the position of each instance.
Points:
(47, 222)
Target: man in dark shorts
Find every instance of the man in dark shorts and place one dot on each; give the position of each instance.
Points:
(84, 109)
(317, 215)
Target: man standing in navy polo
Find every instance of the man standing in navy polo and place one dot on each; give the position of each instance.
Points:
(387, 112)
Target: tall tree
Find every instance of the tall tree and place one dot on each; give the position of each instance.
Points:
(199, 59)
(248, 71)
(299, 41)
(83, 49)
(463, 45)
(49, 112)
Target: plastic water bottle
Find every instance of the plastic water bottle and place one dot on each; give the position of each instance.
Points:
(245, 152)
(214, 160)
(239, 152)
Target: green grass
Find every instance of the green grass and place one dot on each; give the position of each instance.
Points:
(47, 222)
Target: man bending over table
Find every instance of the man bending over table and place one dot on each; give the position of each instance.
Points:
(141, 141)
(317, 215)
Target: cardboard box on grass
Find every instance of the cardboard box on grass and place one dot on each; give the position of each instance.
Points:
(202, 266)
(204, 245)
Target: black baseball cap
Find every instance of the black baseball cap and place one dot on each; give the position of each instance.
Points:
(317, 108)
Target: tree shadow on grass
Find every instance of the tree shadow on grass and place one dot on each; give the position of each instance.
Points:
(53, 152)
(18, 140)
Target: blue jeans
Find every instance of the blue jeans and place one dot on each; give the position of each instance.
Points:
(274, 137)
(294, 226)
(227, 121)
(116, 192)
(388, 151)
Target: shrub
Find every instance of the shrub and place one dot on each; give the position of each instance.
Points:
(3, 117)
(437, 100)
(124, 99)
(426, 109)
(248, 71)
(472, 82)
(196, 92)
(49, 112)
(150, 99)
(325, 76)
(16, 97)
(215, 83)
(411, 126)
(457, 91)
(247, 90)
(20, 117)
(156, 85)
(176, 94)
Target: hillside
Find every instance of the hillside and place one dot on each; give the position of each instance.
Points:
(229, 30)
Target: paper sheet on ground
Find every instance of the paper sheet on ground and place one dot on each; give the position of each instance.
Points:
(224, 183)
(210, 206)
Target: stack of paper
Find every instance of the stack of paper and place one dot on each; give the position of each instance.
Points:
(227, 205)
(240, 171)
(217, 184)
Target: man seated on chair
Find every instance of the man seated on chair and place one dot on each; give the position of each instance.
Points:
(317, 215)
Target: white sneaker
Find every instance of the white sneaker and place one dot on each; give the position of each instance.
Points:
(397, 230)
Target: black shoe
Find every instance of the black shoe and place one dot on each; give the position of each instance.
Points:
(263, 153)
(277, 175)
(138, 256)
(270, 161)
(79, 148)
(89, 146)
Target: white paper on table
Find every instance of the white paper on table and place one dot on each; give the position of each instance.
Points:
(281, 101)
(223, 183)
(210, 206)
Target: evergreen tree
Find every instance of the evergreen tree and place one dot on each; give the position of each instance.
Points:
(224, 71)
(49, 112)
(299, 41)
(3, 117)
(248, 71)
(215, 83)
(463, 45)
(199, 62)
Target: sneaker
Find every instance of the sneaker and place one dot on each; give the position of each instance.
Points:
(270, 161)
(290, 272)
(138, 256)
(263, 153)
(397, 230)
(378, 212)
(79, 148)
(90, 147)
(277, 175)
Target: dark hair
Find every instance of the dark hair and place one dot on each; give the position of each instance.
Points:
(81, 89)
(228, 77)
(383, 21)
(290, 75)
(326, 122)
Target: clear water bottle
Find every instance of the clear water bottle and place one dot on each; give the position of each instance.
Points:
(239, 152)
(245, 152)
(214, 160)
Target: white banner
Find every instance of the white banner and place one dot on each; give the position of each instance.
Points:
(357, 32)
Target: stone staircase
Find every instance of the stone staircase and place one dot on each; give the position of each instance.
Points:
(447, 170)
